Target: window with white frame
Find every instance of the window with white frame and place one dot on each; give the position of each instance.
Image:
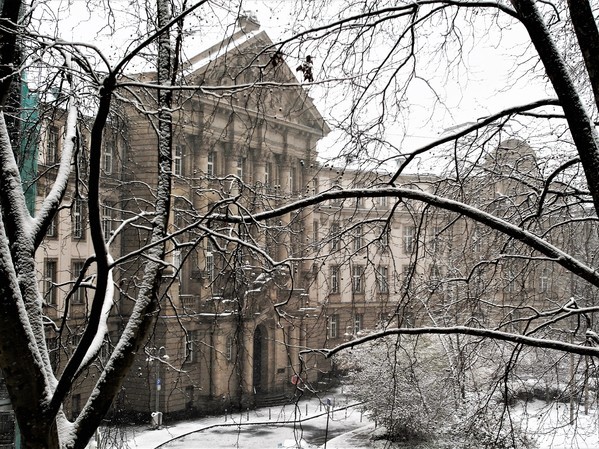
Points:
(335, 229)
(50, 274)
(108, 157)
(106, 222)
(335, 279)
(176, 259)
(78, 230)
(267, 172)
(52, 155)
(384, 232)
(333, 326)
(383, 279)
(52, 231)
(408, 239)
(382, 202)
(240, 167)
(358, 323)
(178, 160)
(190, 346)
(209, 265)
(358, 238)
(544, 281)
(78, 296)
(211, 164)
(358, 279)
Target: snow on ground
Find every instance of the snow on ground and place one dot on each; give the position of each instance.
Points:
(260, 429)
(347, 428)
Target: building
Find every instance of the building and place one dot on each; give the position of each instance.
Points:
(241, 301)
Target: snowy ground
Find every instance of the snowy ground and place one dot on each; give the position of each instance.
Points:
(347, 428)
(263, 428)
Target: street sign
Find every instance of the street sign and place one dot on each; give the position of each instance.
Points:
(158, 384)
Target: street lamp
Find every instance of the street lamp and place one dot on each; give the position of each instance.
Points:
(157, 356)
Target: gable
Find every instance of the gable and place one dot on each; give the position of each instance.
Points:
(266, 84)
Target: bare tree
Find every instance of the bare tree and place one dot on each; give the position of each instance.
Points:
(459, 236)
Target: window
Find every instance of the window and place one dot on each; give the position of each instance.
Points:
(190, 346)
(229, 348)
(50, 271)
(383, 279)
(52, 155)
(384, 233)
(106, 223)
(358, 323)
(78, 231)
(511, 280)
(314, 186)
(79, 294)
(358, 279)
(335, 239)
(358, 237)
(292, 178)
(75, 405)
(53, 227)
(359, 200)
(544, 281)
(108, 156)
(240, 167)
(178, 160)
(177, 260)
(211, 164)
(333, 326)
(315, 226)
(209, 265)
(335, 279)
(267, 172)
(408, 239)
(382, 202)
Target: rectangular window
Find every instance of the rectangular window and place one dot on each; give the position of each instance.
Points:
(384, 232)
(335, 238)
(106, 223)
(78, 231)
(75, 405)
(358, 323)
(358, 238)
(52, 156)
(53, 227)
(544, 281)
(50, 273)
(315, 226)
(358, 279)
(359, 200)
(78, 296)
(178, 160)
(382, 202)
(108, 157)
(267, 172)
(209, 266)
(408, 239)
(335, 279)
(292, 179)
(191, 346)
(333, 326)
(177, 260)
(211, 164)
(383, 279)
(240, 167)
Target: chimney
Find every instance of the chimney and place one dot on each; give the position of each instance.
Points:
(248, 22)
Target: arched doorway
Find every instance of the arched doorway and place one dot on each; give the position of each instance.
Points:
(260, 360)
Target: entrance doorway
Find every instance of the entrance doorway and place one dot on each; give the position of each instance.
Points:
(260, 360)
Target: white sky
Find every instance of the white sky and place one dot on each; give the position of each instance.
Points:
(491, 82)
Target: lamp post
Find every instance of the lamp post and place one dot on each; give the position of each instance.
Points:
(157, 356)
